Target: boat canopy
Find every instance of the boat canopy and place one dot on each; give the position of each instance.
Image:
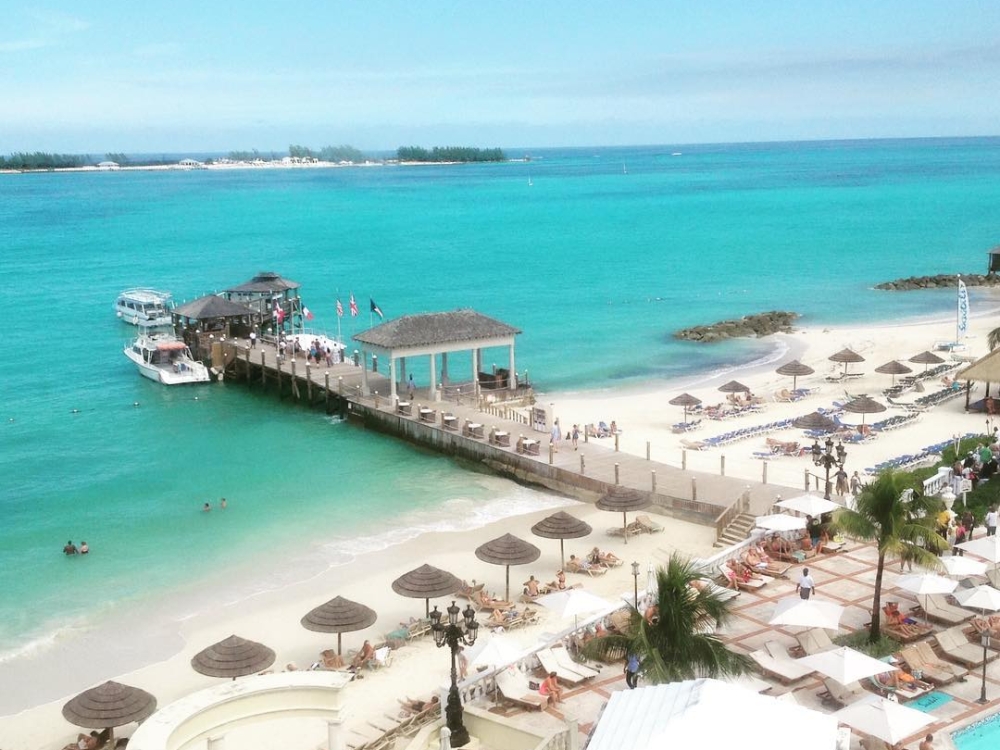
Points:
(171, 346)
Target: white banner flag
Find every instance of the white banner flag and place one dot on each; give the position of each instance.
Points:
(963, 310)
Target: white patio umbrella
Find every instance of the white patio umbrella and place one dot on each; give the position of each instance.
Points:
(926, 584)
(497, 651)
(980, 597)
(963, 566)
(811, 505)
(575, 602)
(986, 547)
(807, 613)
(845, 665)
(879, 717)
(781, 522)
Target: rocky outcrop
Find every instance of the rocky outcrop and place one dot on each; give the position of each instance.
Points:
(763, 324)
(941, 281)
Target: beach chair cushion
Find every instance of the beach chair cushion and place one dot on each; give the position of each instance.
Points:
(513, 686)
(550, 664)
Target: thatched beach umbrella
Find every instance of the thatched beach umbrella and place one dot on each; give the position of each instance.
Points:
(796, 369)
(864, 405)
(734, 386)
(108, 706)
(622, 500)
(233, 657)
(847, 356)
(686, 400)
(426, 582)
(339, 615)
(814, 421)
(926, 358)
(561, 526)
(893, 368)
(508, 550)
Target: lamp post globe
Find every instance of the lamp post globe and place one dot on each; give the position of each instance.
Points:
(452, 635)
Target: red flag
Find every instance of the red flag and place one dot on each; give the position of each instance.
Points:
(340, 309)
(307, 312)
(354, 306)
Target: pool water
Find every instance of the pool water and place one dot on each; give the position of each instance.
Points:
(983, 735)
(929, 702)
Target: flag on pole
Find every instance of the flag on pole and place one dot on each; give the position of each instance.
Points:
(963, 310)
(376, 309)
(307, 313)
(340, 309)
(354, 306)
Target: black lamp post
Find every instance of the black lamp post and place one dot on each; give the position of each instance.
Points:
(828, 458)
(452, 635)
(635, 581)
(985, 638)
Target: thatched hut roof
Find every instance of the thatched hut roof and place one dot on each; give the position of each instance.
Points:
(435, 328)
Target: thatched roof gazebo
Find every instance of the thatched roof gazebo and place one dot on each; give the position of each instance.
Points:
(426, 582)
(508, 550)
(210, 307)
(622, 500)
(561, 526)
(108, 706)
(926, 358)
(847, 357)
(796, 369)
(686, 400)
(814, 421)
(864, 405)
(893, 368)
(339, 615)
(233, 657)
(733, 386)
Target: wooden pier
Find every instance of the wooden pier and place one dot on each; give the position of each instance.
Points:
(496, 435)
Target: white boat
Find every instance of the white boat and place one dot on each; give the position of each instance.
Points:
(166, 359)
(144, 307)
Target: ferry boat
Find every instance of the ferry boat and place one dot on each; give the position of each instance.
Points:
(144, 307)
(166, 359)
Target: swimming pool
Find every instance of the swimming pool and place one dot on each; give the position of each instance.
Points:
(929, 702)
(983, 735)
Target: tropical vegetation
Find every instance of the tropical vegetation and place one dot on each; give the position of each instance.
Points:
(449, 154)
(901, 523)
(679, 642)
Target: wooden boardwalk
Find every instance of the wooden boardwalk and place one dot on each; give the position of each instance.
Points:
(593, 468)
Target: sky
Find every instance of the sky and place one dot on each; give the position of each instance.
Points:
(86, 76)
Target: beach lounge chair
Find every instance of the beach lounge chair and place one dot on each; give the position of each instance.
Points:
(774, 660)
(470, 592)
(954, 645)
(835, 694)
(575, 566)
(382, 658)
(751, 584)
(695, 445)
(891, 683)
(513, 687)
(565, 675)
(983, 626)
(937, 607)
(907, 633)
(934, 668)
(648, 524)
(566, 661)
(813, 641)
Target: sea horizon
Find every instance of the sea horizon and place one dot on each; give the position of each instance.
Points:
(597, 265)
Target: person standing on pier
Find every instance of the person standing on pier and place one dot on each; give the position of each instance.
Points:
(253, 339)
(411, 388)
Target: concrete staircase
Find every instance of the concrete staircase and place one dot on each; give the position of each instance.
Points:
(737, 531)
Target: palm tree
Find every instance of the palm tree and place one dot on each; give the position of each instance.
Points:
(993, 339)
(900, 523)
(678, 643)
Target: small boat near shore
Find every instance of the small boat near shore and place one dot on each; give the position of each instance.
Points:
(144, 307)
(166, 359)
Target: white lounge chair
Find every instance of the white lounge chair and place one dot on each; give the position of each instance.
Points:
(564, 674)
(566, 661)
(774, 660)
(513, 686)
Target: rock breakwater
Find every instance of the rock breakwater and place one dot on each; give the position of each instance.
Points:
(761, 324)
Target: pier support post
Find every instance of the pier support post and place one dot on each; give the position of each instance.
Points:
(583, 466)
(617, 467)
(309, 383)
(263, 369)
(552, 451)
(295, 380)
(586, 435)
(694, 489)
(684, 459)
(806, 473)
(654, 480)
(616, 442)
(248, 366)
(340, 384)
(647, 450)
(763, 478)
(722, 465)
(277, 375)
(376, 399)
(326, 389)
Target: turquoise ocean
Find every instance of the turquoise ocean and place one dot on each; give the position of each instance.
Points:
(596, 254)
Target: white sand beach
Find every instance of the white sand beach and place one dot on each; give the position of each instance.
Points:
(644, 415)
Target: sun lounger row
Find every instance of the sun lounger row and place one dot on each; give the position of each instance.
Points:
(642, 524)
(747, 432)
(939, 397)
(567, 671)
(955, 645)
(920, 657)
(682, 427)
(774, 660)
(408, 727)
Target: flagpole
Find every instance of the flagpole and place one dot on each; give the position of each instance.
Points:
(958, 311)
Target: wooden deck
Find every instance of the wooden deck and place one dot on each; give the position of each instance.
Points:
(586, 473)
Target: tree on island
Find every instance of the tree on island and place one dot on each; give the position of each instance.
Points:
(117, 158)
(42, 160)
(449, 154)
(676, 641)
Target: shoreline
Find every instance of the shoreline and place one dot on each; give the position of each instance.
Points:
(164, 671)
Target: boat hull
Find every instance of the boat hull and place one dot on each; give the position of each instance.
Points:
(181, 371)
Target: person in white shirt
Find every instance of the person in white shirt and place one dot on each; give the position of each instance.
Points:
(806, 584)
(991, 521)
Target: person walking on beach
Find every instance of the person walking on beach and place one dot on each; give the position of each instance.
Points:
(806, 585)
(991, 521)
(841, 482)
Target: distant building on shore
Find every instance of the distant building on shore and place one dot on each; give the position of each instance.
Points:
(108, 165)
